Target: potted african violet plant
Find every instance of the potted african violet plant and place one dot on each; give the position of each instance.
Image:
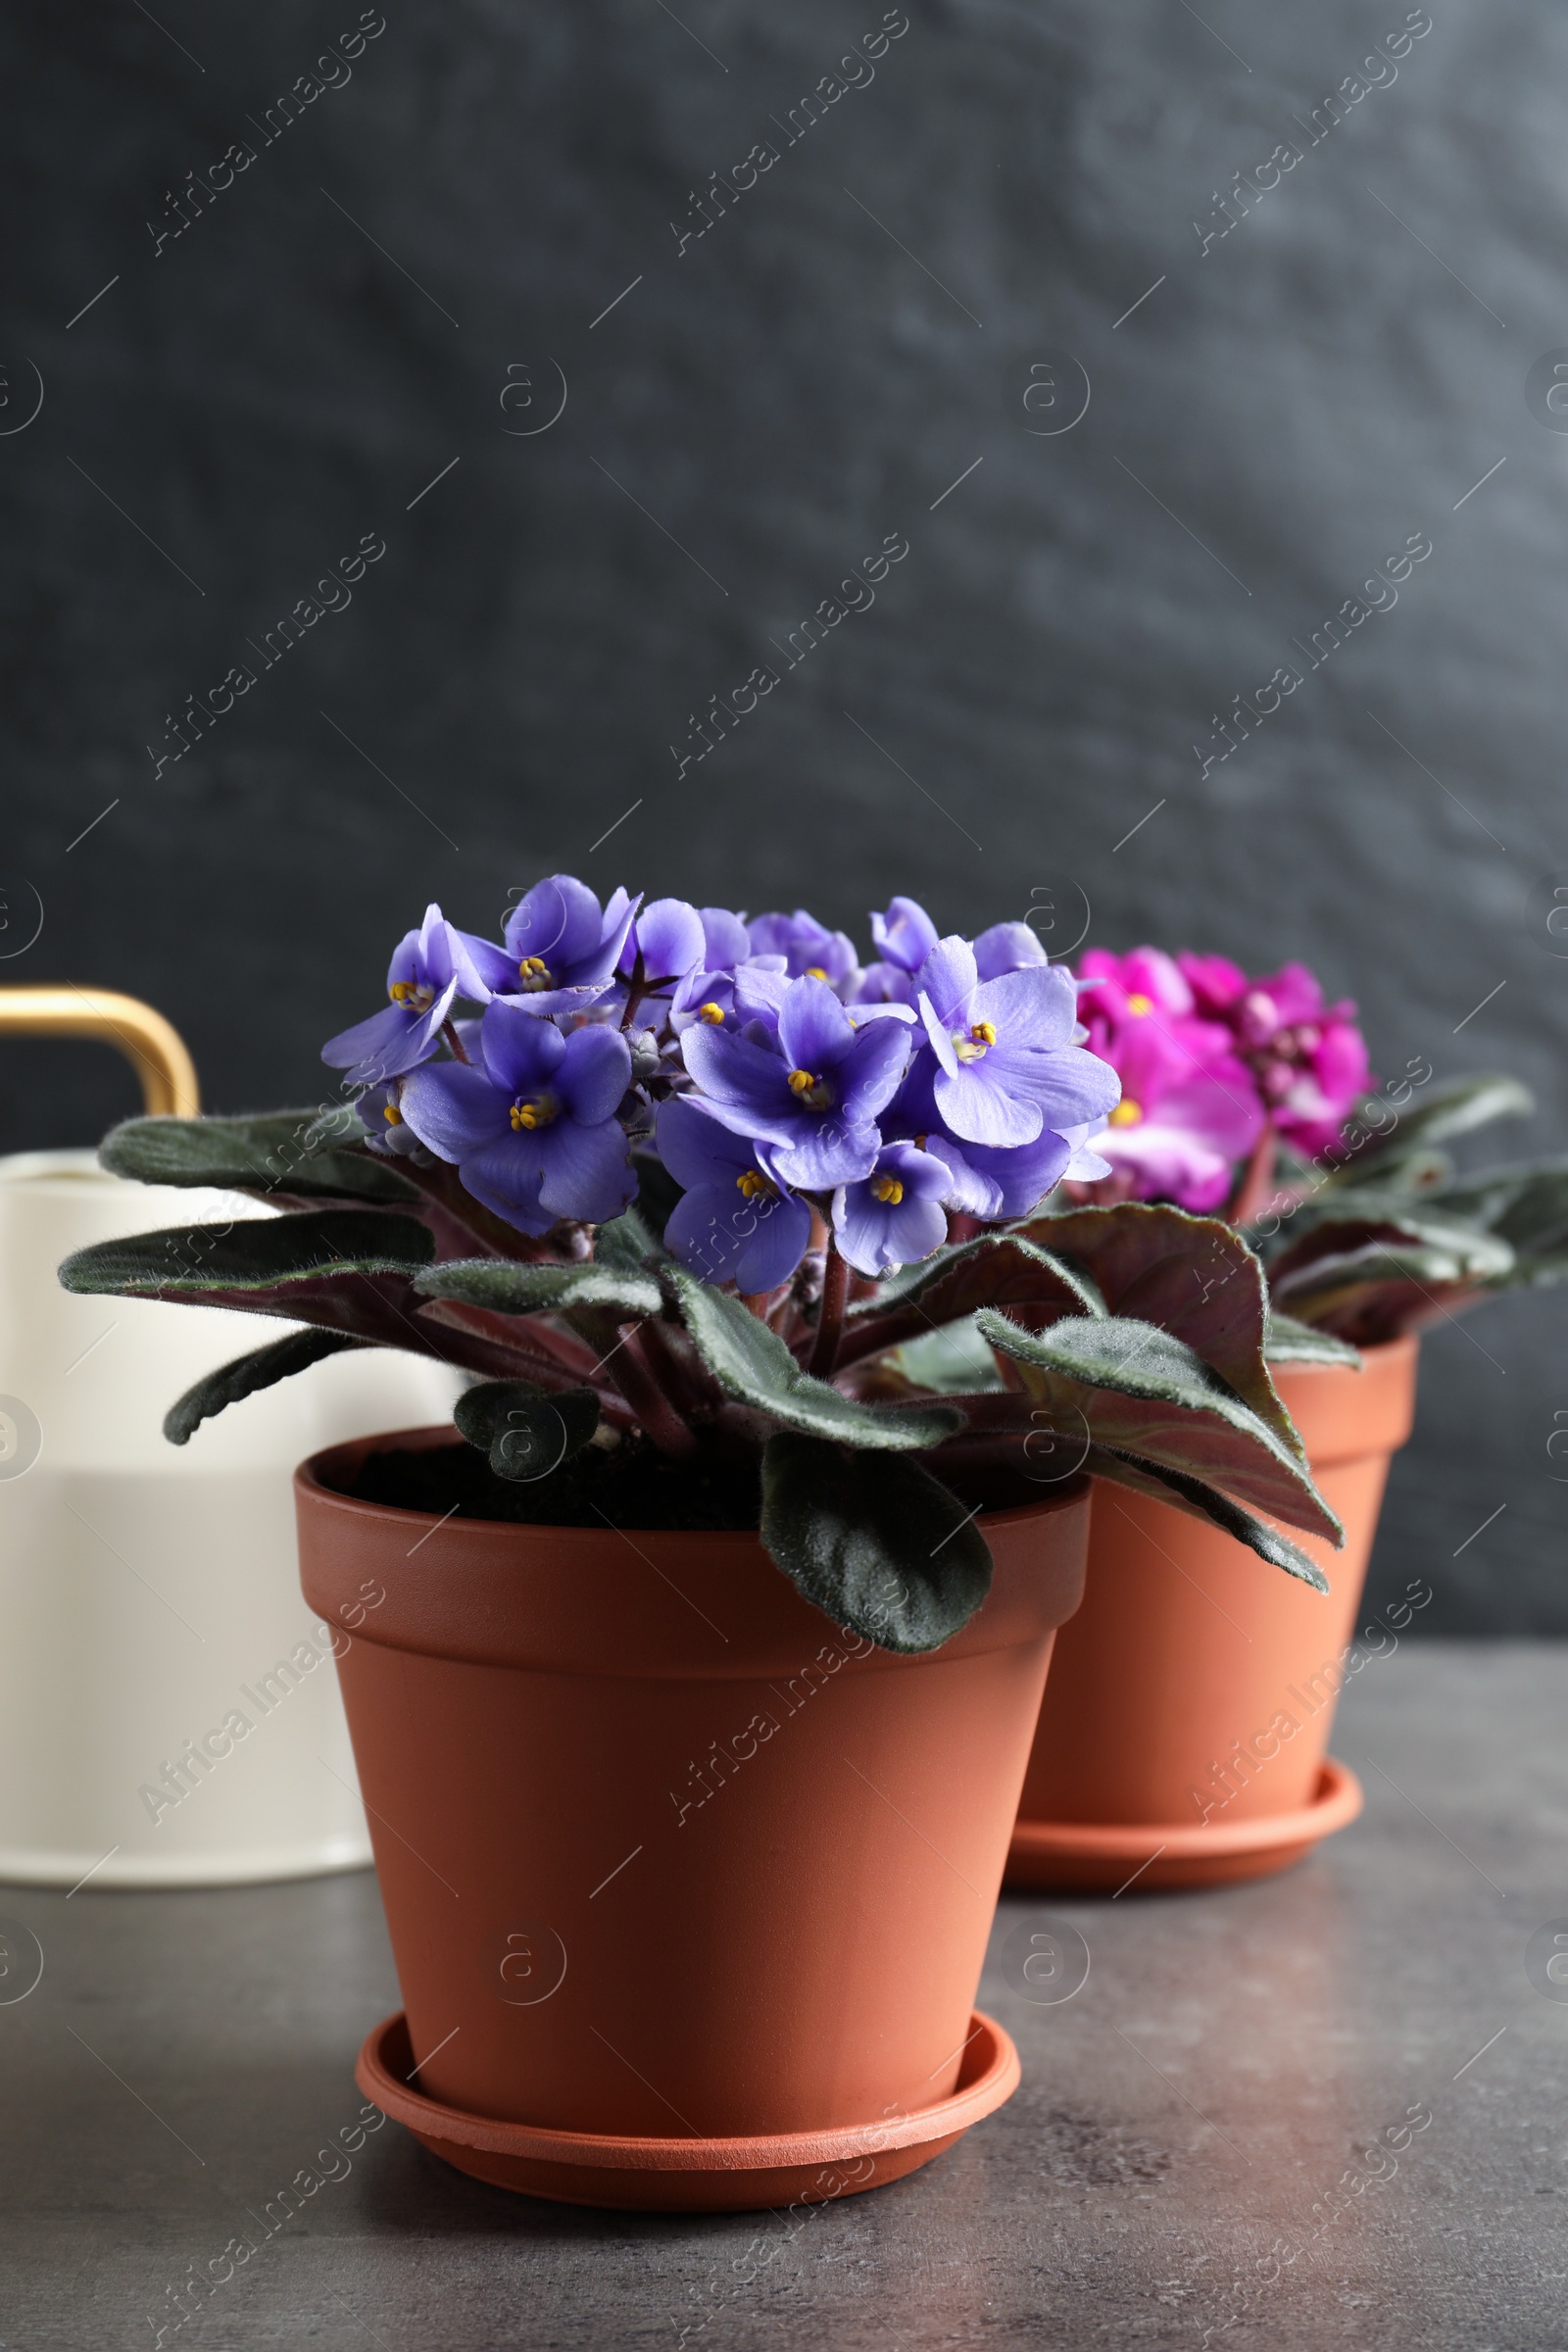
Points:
(691, 1696)
(1207, 1759)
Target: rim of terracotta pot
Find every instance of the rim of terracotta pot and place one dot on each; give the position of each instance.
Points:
(1347, 1411)
(313, 1474)
(463, 1606)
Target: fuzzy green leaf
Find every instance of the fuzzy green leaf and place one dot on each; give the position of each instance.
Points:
(1194, 1277)
(1527, 1207)
(1292, 1343)
(1200, 1500)
(1380, 1290)
(306, 1154)
(1147, 1393)
(251, 1254)
(1437, 1116)
(628, 1244)
(1378, 1269)
(1442, 1220)
(264, 1366)
(658, 1193)
(509, 1288)
(952, 1360)
(993, 1270)
(751, 1364)
(875, 1541)
(526, 1432)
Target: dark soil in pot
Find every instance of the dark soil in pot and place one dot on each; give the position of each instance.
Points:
(633, 1484)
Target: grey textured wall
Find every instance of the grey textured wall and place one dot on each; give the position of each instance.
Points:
(1287, 407)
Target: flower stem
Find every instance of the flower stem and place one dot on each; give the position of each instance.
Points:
(627, 1367)
(1255, 1184)
(449, 1032)
(830, 1313)
(634, 993)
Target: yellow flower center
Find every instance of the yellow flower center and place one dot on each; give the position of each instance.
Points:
(540, 1112)
(710, 1012)
(814, 971)
(814, 1093)
(970, 1049)
(410, 995)
(534, 973)
(392, 1115)
(890, 1189)
(1127, 1113)
(754, 1185)
(1140, 1004)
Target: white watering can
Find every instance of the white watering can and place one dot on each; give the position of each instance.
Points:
(168, 1707)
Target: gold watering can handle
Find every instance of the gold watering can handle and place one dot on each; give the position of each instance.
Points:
(156, 1048)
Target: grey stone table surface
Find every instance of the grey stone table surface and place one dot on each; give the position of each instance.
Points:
(1326, 2109)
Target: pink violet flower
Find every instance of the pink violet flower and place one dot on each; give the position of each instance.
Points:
(1309, 1058)
(1190, 1110)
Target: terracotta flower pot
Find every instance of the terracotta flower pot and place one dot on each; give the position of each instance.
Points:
(1182, 1739)
(688, 1889)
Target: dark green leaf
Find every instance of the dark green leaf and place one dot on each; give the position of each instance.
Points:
(511, 1288)
(304, 1154)
(1144, 1390)
(1343, 1221)
(1292, 1343)
(1379, 1292)
(994, 1269)
(252, 1253)
(526, 1432)
(1194, 1277)
(1370, 1262)
(1435, 1115)
(1525, 1206)
(248, 1373)
(657, 1190)
(1200, 1500)
(875, 1541)
(1539, 1270)
(751, 1364)
(952, 1360)
(627, 1243)
(1411, 1174)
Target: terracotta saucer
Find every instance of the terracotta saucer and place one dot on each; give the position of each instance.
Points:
(1103, 1856)
(687, 2176)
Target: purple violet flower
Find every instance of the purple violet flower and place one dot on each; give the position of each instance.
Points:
(992, 1183)
(1007, 948)
(894, 1216)
(532, 1128)
(984, 1180)
(729, 941)
(905, 936)
(563, 948)
(671, 938)
(737, 1218)
(429, 969)
(1008, 1068)
(810, 949)
(813, 1089)
(385, 1128)
(751, 994)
